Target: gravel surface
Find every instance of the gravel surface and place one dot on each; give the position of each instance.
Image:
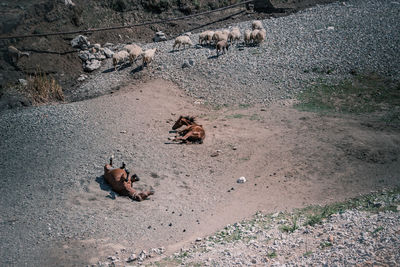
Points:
(321, 43)
(52, 190)
(355, 236)
(45, 149)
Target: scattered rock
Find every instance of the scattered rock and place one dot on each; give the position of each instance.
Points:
(142, 255)
(97, 47)
(107, 52)
(186, 64)
(100, 56)
(80, 42)
(85, 55)
(108, 45)
(82, 77)
(23, 82)
(241, 180)
(92, 65)
(214, 154)
(131, 258)
(113, 258)
(159, 37)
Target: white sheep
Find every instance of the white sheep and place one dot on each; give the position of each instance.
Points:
(260, 37)
(120, 57)
(219, 36)
(256, 25)
(209, 37)
(222, 46)
(15, 54)
(182, 40)
(247, 37)
(226, 31)
(134, 52)
(253, 35)
(234, 35)
(205, 37)
(148, 56)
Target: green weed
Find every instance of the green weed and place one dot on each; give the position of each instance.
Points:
(362, 94)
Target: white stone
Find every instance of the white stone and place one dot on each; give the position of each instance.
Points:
(132, 257)
(241, 180)
(80, 42)
(92, 65)
(23, 82)
(82, 77)
(107, 52)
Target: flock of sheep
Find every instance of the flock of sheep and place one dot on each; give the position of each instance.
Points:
(220, 39)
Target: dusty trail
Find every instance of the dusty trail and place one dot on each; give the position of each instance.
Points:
(289, 158)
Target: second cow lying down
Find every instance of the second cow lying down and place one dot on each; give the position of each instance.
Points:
(121, 182)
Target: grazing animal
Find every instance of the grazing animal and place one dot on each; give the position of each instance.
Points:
(15, 54)
(253, 36)
(120, 57)
(260, 36)
(134, 52)
(205, 37)
(121, 182)
(247, 37)
(148, 56)
(234, 35)
(226, 31)
(193, 131)
(219, 36)
(182, 40)
(222, 46)
(256, 25)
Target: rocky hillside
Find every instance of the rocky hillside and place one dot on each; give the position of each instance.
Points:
(54, 55)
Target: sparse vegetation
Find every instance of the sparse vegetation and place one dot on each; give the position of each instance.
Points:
(42, 88)
(316, 214)
(245, 230)
(236, 116)
(325, 244)
(363, 93)
(291, 227)
(307, 253)
(272, 255)
(378, 229)
(255, 117)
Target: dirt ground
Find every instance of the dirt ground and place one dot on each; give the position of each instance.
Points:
(290, 159)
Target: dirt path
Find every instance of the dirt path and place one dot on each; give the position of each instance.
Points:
(289, 158)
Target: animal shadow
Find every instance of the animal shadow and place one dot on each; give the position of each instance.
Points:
(124, 66)
(105, 187)
(108, 70)
(213, 57)
(137, 69)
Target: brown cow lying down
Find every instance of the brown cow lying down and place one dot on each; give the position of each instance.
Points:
(121, 182)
